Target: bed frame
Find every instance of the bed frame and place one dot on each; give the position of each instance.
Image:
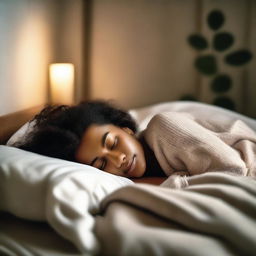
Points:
(12, 122)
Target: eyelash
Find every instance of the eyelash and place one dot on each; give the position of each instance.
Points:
(104, 163)
(114, 144)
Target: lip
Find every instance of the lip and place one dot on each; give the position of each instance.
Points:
(131, 166)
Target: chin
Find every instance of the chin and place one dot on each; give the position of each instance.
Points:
(139, 173)
(136, 176)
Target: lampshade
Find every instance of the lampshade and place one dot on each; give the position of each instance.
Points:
(61, 83)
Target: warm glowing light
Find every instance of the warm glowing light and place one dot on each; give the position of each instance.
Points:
(62, 83)
(29, 58)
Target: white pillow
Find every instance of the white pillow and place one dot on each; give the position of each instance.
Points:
(20, 133)
(64, 193)
(198, 109)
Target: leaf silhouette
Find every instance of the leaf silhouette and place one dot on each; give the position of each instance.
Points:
(221, 83)
(198, 42)
(238, 58)
(223, 41)
(215, 19)
(225, 102)
(206, 64)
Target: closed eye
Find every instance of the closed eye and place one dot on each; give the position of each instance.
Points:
(115, 143)
(99, 163)
(103, 164)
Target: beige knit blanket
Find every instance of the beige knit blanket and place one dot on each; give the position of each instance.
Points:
(214, 215)
(190, 144)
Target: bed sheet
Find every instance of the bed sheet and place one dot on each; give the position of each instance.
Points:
(28, 238)
(214, 215)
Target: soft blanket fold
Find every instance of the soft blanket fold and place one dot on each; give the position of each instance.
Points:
(214, 215)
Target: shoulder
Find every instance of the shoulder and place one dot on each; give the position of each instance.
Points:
(169, 119)
(168, 124)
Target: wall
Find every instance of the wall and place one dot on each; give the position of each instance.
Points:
(35, 33)
(70, 40)
(25, 51)
(132, 58)
(140, 52)
(136, 52)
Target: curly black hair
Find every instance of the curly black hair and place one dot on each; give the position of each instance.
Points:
(58, 130)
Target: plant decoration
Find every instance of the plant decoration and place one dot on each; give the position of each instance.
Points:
(207, 64)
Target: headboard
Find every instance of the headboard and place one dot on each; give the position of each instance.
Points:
(12, 122)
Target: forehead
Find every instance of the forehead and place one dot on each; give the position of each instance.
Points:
(91, 142)
(94, 132)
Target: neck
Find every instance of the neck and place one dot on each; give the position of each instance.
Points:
(153, 169)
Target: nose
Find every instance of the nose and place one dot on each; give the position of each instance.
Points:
(116, 158)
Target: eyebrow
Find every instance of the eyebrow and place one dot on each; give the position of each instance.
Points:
(103, 142)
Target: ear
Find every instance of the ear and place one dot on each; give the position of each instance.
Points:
(128, 130)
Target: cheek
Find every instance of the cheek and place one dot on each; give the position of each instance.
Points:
(130, 145)
(110, 168)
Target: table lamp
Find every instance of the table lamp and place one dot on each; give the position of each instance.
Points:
(61, 83)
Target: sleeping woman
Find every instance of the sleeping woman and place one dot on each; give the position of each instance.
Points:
(99, 134)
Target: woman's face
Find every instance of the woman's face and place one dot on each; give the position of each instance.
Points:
(112, 149)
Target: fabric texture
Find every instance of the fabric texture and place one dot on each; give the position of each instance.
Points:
(205, 111)
(19, 237)
(63, 193)
(21, 133)
(213, 215)
(187, 144)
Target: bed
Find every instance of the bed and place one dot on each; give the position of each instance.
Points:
(55, 207)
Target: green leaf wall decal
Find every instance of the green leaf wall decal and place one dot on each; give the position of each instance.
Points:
(206, 64)
(198, 42)
(223, 41)
(221, 83)
(225, 102)
(215, 19)
(238, 58)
